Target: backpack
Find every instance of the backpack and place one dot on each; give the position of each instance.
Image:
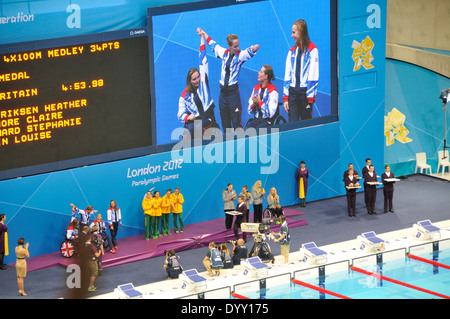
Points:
(174, 268)
(226, 259)
(287, 238)
(216, 259)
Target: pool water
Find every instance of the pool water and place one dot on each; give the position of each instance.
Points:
(360, 286)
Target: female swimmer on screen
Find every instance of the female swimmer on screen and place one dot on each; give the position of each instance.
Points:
(301, 74)
(232, 60)
(196, 106)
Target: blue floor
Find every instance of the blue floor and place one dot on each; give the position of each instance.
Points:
(416, 197)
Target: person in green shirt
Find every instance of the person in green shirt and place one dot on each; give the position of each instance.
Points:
(283, 238)
(213, 260)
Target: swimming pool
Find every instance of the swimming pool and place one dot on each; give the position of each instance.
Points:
(340, 275)
(357, 285)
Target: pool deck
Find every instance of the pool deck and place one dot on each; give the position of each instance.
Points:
(347, 250)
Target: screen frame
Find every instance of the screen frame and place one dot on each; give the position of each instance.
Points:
(148, 32)
(83, 160)
(210, 4)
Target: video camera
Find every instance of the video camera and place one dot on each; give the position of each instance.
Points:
(262, 228)
(259, 229)
(98, 241)
(445, 95)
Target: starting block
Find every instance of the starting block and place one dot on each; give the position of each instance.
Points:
(426, 230)
(192, 280)
(313, 255)
(370, 242)
(254, 267)
(127, 291)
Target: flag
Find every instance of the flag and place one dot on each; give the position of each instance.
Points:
(6, 244)
(301, 189)
(67, 249)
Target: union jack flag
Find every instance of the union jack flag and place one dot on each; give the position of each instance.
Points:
(67, 249)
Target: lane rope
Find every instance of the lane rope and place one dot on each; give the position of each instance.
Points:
(235, 295)
(432, 262)
(304, 284)
(398, 282)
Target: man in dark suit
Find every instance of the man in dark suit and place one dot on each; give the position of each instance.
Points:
(365, 170)
(241, 208)
(370, 190)
(350, 167)
(388, 189)
(82, 238)
(352, 182)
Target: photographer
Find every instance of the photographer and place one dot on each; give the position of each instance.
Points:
(283, 238)
(172, 264)
(212, 260)
(101, 225)
(98, 242)
(239, 251)
(226, 257)
(90, 264)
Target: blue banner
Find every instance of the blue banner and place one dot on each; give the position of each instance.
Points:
(38, 207)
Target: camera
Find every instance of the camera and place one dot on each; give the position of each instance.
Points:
(260, 230)
(444, 95)
(264, 226)
(97, 241)
(169, 252)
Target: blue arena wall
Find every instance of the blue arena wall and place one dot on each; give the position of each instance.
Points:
(414, 92)
(37, 207)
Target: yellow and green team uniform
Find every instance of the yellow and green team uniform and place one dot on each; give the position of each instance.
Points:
(177, 209)
(156, 218)
(147, 207)
(165, 213)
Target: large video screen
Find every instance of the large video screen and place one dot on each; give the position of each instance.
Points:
(76, 101)
(175, 48)
(71, 98)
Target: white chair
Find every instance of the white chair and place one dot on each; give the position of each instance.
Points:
(127, 291)
(443, 162)
(254, 267)
(312, 254)
(426, 230)
(370, 242)
(421, 163)
(192, 280)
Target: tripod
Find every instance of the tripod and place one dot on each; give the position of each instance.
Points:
(261, 249)
(445, 96)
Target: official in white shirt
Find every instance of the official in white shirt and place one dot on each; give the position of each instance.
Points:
(388, 189)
